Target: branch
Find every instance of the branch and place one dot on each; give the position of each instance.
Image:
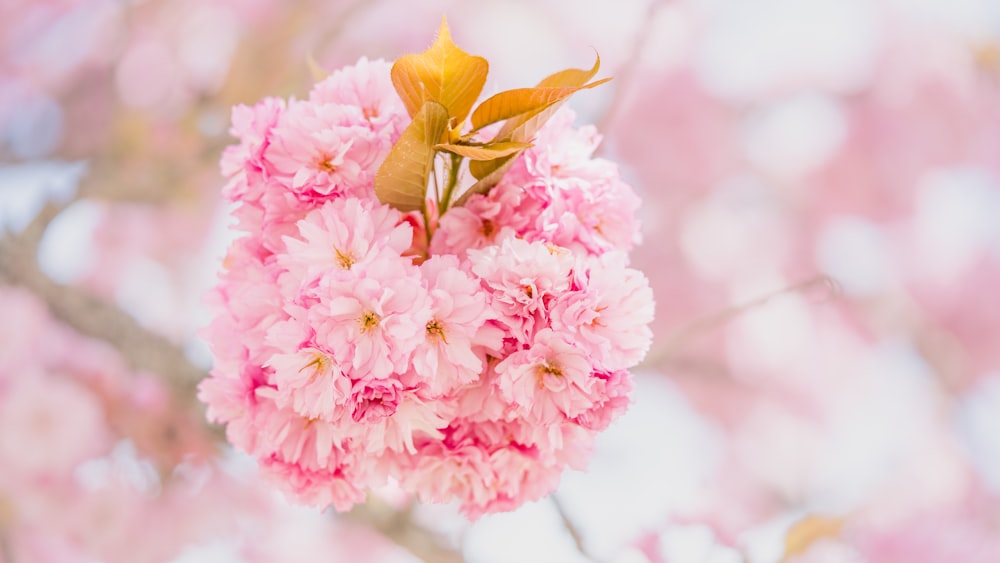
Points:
(719, 318)
(627, 72)
(400, 527)
(141, 348)
(567, 523)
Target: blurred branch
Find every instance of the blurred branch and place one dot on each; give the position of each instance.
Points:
(567, 523)
(141, 348)
(6, 554)
(712, 321)
(627, 72)
(400, 527)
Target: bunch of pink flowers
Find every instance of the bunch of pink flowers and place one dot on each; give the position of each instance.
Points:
(350, 352)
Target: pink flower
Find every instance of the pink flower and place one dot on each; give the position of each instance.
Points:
(523, 279)
(244, 163)
(323, 150)
(609, 314)
(453, 351)
(550, 380)
(482, 221)
(316, 487)
(332, 238)
(310, 383)
(412, 417)
(612, 390)
(366, 86)
(374, 323)
(375, 399)
(308, 442)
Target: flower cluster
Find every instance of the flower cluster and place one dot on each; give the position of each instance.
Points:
(349, 352)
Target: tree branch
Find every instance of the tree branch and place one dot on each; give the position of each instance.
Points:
(627, 72)
(141, 348)
(400, 527)
(712, 321)
(567, 523)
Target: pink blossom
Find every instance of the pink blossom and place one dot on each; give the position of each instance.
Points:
(316, 487)
(412, 418)
(365, 85)
(244, 164)
(375, 323)
(311, 384)
(613, 390)
(453, 351)
(375, 399)
(550, 380)
(523, 279)
(482, 221)
(609, 312)
(323, 150)
(331, 237)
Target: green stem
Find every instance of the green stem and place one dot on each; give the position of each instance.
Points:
(456, 162)
(427, 227)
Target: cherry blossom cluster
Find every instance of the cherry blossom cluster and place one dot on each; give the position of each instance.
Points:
(350, 353)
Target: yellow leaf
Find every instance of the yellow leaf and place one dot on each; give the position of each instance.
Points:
(522, 127)
(443, 73)
(401, 181)
(521, 102)
(809, 530)
(487, 152)
(317, 72)
(571, 76)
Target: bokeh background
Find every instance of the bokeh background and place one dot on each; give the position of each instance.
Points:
(821, 218)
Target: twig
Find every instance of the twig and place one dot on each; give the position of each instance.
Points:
(400, 527)
(141, 348)
(6, 553)
(627, 72)
(719, 318)
(567, 523)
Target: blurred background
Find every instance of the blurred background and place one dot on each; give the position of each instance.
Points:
(821, 185)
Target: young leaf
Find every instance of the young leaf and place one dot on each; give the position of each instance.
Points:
(317, 72)
(523, 127)
(809, 530)
(443, 73)
(521, 102)
(482, 168)
(490, 151)
(401, 181)
(571, 76)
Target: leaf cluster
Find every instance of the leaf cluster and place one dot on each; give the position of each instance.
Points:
(439, 88)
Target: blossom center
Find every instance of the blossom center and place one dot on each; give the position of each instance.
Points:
(321, 363)
(435, 330)
(549, 369)
(488, 229)
(344, 260)
(368, 321)
(326, 164)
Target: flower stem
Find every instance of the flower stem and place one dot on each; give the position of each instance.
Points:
(456, 162)
(427, 227)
